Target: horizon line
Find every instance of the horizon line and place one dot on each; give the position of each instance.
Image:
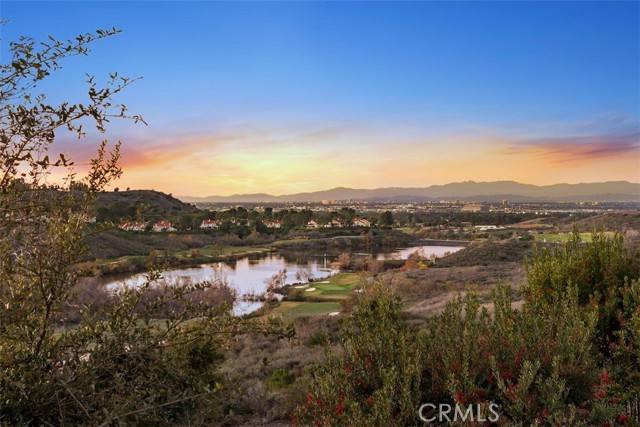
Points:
(398, 187)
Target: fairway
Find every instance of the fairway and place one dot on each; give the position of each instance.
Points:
(339, 287)
(319, 298)
(294, 309)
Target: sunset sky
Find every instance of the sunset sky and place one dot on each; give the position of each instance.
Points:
(287, 97)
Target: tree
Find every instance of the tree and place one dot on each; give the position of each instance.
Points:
(386, 219)
(347, 215)
(146, 355)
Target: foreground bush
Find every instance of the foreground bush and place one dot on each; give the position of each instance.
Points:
(377, 379)
(147, 356)
(600, 270)
(542, 363)
(605, 272)
(537, 363)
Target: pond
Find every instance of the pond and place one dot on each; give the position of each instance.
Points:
(249, 276)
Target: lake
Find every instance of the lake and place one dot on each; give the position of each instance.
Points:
(250, 275)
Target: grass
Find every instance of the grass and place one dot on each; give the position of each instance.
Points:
(285, 242)
(324, 299)
(212, 251)
(293, 309)
(337, 288)
(409, 229)
(280, 378)
(564, 237)
(209, 251)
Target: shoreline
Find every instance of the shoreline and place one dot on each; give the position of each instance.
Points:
(444, 242)
(134, 264)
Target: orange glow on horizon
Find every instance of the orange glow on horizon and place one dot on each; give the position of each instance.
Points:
(209, 165)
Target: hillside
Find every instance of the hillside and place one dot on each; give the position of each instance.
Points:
(468, 190)
(116, 243)
(613, 221)
(114, 204)
(487, 253)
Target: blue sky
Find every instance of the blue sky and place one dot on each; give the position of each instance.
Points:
(423, 75)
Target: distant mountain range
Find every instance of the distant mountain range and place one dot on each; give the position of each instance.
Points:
(468, 191)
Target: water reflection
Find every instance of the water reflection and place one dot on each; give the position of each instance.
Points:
(427, 251)
(250, 276)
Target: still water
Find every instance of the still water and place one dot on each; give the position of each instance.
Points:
(250, 275)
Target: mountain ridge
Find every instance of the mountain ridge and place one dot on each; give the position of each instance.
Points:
(465, 190)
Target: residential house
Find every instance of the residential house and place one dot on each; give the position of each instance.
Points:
(210, 224)
(334, 223)
(361, 222)
(163, 226)
(133, 226)
(312, 224)
(272, 223)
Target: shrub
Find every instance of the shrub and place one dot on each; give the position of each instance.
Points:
(376, 381)
(599, 269)
(280, 378)
(416, 260)
(539, 363)
(624, 365)
(318, 338)
(536, 363)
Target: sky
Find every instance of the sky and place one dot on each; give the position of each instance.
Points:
(285, 97)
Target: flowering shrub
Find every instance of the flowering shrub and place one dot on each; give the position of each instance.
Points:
(535, 363)
(605, 273)
(376, 381)
(600, 271)
(543, 363)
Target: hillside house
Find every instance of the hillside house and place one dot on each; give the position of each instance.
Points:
(312, 224)
(163, 227)
(337, 223)
(133, 226)
(210, 224)
(361, 222)
(272, 223)
(334, 223)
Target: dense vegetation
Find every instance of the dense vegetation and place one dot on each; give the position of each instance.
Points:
(117, 205)
(569, 355)
(487, 253)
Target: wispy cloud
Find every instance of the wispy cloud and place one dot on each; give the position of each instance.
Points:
(576, 149)
(246, 159)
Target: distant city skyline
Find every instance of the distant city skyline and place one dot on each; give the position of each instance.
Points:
(287, 97)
